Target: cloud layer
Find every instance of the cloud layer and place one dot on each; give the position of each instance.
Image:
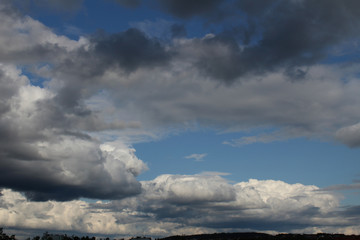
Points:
(133, 84)
(185, 204)
(70, 111)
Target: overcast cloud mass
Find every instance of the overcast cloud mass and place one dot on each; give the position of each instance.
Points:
(71, 111)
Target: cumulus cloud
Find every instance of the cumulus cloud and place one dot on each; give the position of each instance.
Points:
(179, 204)
(189, 189)
(216, 204)
(46, 150)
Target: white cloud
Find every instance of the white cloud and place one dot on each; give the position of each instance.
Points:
(188, 189)
(24, 39)
(197, 156)
(186, 204)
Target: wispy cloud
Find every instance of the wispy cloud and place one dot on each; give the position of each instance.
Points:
(197, 157)
(261, 138)
(341, 187)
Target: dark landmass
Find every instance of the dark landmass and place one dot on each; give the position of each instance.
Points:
(215, 236)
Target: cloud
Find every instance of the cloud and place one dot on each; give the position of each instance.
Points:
(47, 150)
(185, 204)
(267, 137)
(130, 49)
(259, 39)
(27, 41)
(150, 87)
(181, 95)
(125, 65)
(262, 138)
(340, 187)
(350, 135)
(46, 153)
(184, 189)
(260, 205)
(196, 156)
(70, 135)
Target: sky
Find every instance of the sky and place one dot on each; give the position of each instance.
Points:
(166, 117)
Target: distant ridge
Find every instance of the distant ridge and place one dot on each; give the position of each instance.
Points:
(263, 236)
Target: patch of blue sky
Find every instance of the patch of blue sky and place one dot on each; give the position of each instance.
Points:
(94, 15)
(35, 79)
(293, 161)
(345, 58)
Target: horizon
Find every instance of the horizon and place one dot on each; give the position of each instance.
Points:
(171, 117)
(63, 236)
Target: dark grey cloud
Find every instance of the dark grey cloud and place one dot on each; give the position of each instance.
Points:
(127, 51)
(278, 34)
(267, 35)
(264, 36)
(66, 173)
(349, 135)
(130, 49)
(352, 211)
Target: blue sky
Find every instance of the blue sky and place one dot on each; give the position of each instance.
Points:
(159, 117)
